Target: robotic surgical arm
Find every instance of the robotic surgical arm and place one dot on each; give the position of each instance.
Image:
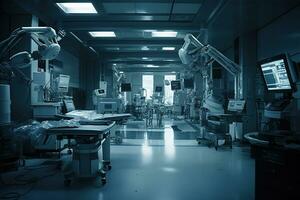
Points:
(192, 50)
(46, 39)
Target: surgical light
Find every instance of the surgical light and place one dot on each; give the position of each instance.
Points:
(77, 8)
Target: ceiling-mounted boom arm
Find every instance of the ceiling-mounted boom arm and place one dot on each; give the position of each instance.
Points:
(186, 55)
(46, 39)
(118, 74)
(193, 48)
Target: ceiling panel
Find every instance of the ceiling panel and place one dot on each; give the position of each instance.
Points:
(137, 8)
(118, 8)
(239, 17)
(153, 8)
(186, 8)
(182, 18)
(132, 21)
(117, 17)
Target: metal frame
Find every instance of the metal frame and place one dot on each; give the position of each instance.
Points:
(213, 55)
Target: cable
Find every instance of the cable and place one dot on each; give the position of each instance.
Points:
(10, 45)
(13, 34)
(24, 179)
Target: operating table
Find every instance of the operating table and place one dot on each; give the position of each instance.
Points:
(88, 139)
(90, 116)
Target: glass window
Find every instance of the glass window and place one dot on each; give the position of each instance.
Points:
(169, 94)
(148, 85)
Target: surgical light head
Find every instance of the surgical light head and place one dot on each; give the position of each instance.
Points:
(184, 56)
(46, 39)
(186, 51)
(48, 47)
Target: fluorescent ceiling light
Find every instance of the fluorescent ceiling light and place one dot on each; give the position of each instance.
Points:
(145, 48)
(168, 48)
(113, 48)
(151, 65)
(77, 8)
(102, 34)
(144, 58)
(164, 34)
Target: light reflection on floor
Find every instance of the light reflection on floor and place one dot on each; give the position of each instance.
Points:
(146, 150)
(134, 133)
(169, 143)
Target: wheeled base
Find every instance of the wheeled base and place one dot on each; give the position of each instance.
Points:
(226, 137)
(70, 177)
(106, 165)
(214, 139)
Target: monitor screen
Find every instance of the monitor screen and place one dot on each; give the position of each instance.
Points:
(189, 83)
(175, 85)
(68, 105)
(158, 89)
(100, 91)
(276, 74)
(125, 87)
(63, 80)
(108, 106)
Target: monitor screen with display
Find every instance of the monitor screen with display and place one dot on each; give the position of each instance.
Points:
(158, 89)
(175, 85)
(125, 87)
(189, 83)
(276, 73)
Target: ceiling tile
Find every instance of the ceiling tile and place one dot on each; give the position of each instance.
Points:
(116, 8)
(182, 18)
(154, 8)
(186, 8)
(137, 8)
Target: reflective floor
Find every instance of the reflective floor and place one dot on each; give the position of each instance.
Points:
(136, 132)
(162, 165)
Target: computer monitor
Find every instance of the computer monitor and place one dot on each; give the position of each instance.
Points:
(107, 107)
(125, 87)
(63, 83)
(276, 73)
(68, 105)
(158, 89)
(175, 85)
(188, 83)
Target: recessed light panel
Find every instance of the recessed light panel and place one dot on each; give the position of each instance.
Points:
(168, 48)
(145, 48)
(102, 34)
(164, 34)
(77, 8)
(152, 65)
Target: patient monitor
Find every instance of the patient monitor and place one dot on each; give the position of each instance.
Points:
(62, 83)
